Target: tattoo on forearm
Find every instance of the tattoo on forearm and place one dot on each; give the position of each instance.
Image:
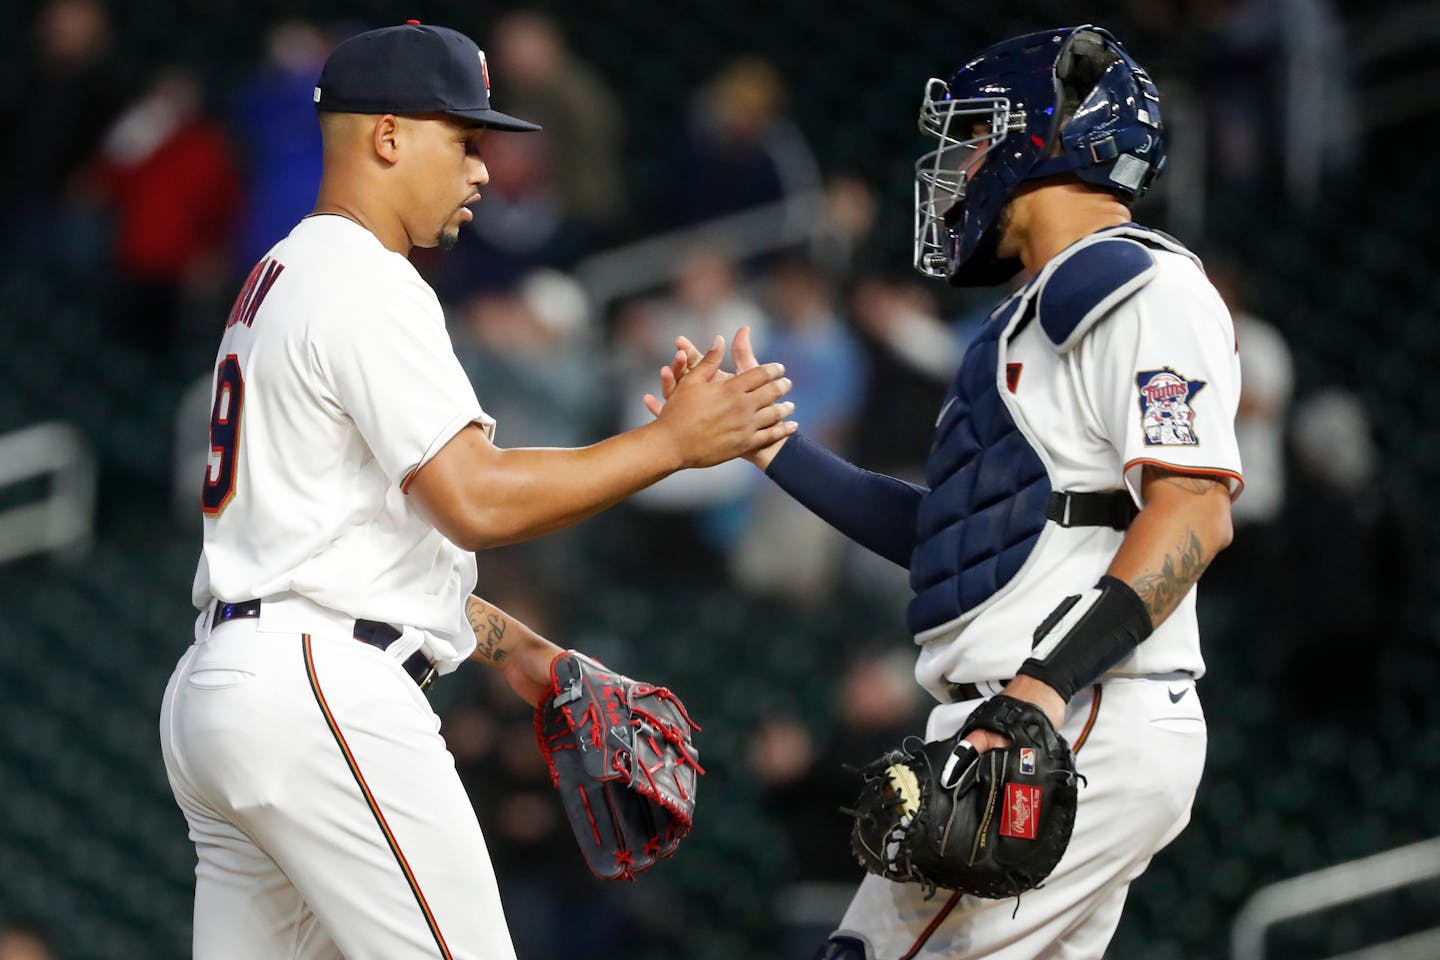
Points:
(1198, 486)
(489, 626)
(1163, 591)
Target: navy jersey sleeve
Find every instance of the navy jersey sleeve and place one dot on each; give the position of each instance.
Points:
(876, 511)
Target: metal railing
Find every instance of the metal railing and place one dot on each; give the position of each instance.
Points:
(651, 262)
(1334, 886)
(63, 521)
(190, 451)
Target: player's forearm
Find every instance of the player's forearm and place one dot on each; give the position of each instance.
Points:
(532, 491)
(481, 496)
(876, 511)
(506, 643)
(1185, 523)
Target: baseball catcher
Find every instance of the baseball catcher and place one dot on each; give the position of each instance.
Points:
(993, 824)
(621, 754)
(1087, 437)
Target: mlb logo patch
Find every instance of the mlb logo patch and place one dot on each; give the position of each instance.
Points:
(1166, 416)
(1027, 760)
(1021, 816)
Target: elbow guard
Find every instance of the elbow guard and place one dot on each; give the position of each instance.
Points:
(1101, 627)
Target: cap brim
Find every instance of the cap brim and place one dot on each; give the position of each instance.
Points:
(496, 120)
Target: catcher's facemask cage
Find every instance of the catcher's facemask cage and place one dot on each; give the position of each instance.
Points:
(1113, 138)
(967, 131)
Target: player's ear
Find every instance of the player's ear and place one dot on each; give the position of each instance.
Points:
(385, 137)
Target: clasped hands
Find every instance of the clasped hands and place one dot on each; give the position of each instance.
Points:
(689, 365)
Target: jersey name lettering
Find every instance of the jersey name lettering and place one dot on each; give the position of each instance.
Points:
(262, 277)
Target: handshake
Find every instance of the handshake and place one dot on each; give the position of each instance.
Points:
(711, 415)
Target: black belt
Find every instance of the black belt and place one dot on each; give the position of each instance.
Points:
(373, 632)
(1110, 508)
(1113, 508)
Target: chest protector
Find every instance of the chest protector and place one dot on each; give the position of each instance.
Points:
(984, 510)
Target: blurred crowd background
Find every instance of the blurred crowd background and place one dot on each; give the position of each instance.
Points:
(704, 166)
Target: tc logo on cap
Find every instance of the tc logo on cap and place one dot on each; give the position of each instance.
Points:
(484, 70)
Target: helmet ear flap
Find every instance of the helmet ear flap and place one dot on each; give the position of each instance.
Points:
(1078, 70)
(1108, 129)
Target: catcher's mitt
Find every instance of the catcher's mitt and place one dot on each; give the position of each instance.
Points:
(992, 825)
(621, 755)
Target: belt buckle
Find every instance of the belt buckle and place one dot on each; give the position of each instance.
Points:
(427, 678)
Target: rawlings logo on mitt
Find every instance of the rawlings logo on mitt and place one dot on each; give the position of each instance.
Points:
(621, 755)
(992, 825)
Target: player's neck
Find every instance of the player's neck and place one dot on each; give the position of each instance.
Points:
(1047, 219)
(388, 230)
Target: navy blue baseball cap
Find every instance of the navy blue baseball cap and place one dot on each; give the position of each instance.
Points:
(411, 69)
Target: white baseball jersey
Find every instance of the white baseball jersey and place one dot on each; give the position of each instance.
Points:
(335, 382)
(1133, 363)
(1154, 379)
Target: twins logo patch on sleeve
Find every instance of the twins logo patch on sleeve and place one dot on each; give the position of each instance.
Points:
(1165, 412)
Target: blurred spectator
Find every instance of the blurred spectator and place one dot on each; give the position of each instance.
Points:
(911, 354)
(541, 78)
(1278, 91)
(167, 173)
(60, 108)
(848, 244)
(1351, 566)
(24, 941)
(740, 150)
(807, 772)
(784, 550)
(876, 705)
(911, 357)
(693, 518)
(530, 355)
(820, 354)
(274, 118)
(1267, 378)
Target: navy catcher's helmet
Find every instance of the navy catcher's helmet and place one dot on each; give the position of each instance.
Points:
(1067, 101)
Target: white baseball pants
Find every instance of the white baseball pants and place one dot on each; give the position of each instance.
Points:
(1141, 749)
(327, 816)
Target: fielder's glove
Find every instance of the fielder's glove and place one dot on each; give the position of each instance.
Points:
(621, 755)
(993, 825)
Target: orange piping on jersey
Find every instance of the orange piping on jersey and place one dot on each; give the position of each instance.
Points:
(409, 478)
(1089, 721)
(1196, 471)
(370, 800)
(934, 923)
